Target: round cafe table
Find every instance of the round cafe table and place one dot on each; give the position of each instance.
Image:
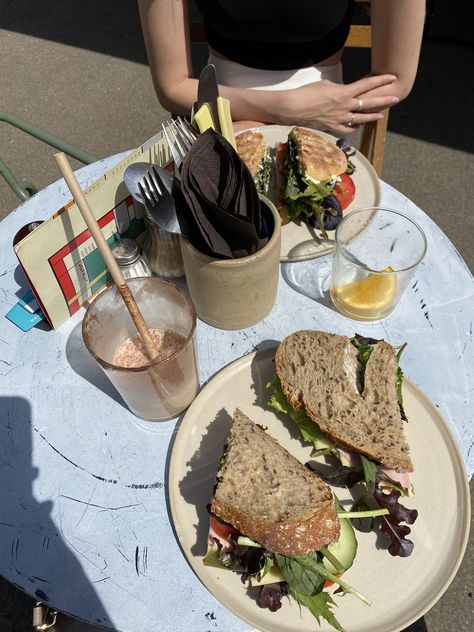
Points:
(85, 524)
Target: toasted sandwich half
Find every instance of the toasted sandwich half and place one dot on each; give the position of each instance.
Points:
(269, 496)
(274, 522)
(345, 395)
(355, 406)
(253, 150)
(312, 166)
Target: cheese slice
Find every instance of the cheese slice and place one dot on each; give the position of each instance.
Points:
(225, 120)
(203, 118)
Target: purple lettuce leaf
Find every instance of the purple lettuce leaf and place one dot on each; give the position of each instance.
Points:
(390, 524)
(271, 595)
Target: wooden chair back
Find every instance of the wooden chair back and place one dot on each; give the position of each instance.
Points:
(374, 134)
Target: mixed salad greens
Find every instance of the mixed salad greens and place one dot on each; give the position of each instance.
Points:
(305, 577)
(320, 203)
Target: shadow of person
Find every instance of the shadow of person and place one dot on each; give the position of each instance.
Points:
(35, 555)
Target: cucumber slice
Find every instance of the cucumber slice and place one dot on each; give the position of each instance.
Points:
(273, 576)
(345, 549)
(211, 558)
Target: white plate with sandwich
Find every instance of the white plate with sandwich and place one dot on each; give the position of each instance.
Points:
(401, 589)
(301, 241)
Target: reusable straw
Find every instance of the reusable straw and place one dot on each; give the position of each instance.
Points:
(117, 276)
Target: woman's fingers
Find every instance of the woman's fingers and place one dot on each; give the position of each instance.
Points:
(354, 120)
(343, 129)
(359, 118)
(369, 83)
(373, 104)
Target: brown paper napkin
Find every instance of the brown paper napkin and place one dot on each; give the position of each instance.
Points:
(222, 200)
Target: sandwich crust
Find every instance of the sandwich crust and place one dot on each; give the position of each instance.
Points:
(320, 372)
(251, 147)
(270, 497)
(318, 157)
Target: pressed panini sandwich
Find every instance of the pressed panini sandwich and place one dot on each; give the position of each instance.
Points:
(314, 180)
(255, 153)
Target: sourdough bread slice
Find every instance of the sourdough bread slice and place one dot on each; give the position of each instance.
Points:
(320, 372)
(269, 496)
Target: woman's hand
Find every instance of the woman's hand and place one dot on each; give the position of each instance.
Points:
(336, 107)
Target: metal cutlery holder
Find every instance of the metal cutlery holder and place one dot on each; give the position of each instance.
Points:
(162, 249)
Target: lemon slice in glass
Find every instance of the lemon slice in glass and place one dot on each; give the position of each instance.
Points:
(371, 296)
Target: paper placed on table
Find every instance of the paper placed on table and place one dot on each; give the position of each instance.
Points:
(222, 200)
(60, 258)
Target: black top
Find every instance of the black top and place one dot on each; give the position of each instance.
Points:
(276, 34)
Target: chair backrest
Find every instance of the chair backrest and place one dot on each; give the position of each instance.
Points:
(374, 134)
(372, 142)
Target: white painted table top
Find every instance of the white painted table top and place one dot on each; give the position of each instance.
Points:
(84, 520)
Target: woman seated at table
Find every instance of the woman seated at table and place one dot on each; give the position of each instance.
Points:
(279, 62)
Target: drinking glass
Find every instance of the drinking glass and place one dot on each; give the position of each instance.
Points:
(376, 253)
(155, 390)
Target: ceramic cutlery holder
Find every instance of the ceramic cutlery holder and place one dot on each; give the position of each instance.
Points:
(235, 293)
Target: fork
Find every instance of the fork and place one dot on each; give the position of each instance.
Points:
(180, 135)
(159, 201)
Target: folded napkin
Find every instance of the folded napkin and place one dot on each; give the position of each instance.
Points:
(224, 217)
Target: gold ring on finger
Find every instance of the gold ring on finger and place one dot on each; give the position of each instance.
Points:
(360, 104)
(351, 122)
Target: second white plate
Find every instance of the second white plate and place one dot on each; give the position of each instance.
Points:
(299, 241)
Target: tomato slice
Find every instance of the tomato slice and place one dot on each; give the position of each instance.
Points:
(329, 582)
(222, 529)
(345, 190)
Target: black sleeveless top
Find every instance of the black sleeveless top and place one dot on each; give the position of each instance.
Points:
(276, 34)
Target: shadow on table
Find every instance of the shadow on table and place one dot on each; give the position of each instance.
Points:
(310, 278)
(35, 552)
(81, 361)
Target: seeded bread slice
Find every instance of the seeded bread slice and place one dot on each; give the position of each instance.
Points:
(320, 372)
(269, 496)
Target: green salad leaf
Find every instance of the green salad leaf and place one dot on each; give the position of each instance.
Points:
(301, 576)
(320, 607)
(308, 428)
(370, 472)
(269, 562)
(300, 572)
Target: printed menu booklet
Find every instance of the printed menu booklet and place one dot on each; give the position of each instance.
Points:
(60, 258)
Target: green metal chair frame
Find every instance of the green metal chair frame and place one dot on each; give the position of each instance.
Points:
(25, 190)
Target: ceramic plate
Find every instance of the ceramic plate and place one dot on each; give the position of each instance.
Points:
(401, 589)
(299, 241)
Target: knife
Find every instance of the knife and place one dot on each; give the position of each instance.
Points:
(208, 93)
(211, 110)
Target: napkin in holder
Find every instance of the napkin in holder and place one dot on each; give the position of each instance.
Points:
(232, 254)
(222, 206)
